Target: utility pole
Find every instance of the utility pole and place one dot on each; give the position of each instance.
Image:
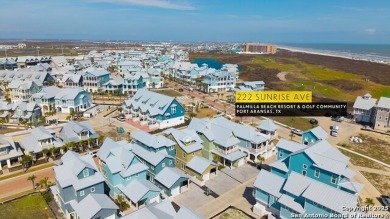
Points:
(6, 56)
(38, 50)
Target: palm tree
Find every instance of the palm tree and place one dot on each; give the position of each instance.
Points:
(26, 161)
(369, 201)
(192, 115)
(120, 201)
(100, 139)
(260, 159)
(44, 182)
(32, 179)
(72, 145)
(46, 153)
(90, 142)
(54, 152)
(82, 144)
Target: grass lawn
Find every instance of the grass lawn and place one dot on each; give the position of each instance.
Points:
(296, 122)
(32, 206)
(375, 146)
(232, 213)
(205, 112)
(361, 161)
(381, 182)
(169, 92)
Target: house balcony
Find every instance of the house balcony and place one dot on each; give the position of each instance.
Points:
(227, 151)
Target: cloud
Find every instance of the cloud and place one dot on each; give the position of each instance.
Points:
(166, 4)
(370, 31)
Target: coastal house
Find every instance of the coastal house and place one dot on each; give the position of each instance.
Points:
(7, 63)
(39, 139)
(306, 179)
(72, 100)
(29, 112)
(72, 80)
(119, 166)
(319, 161)
(189, 154)
(95, 206)
(140, 193)
(39, 77)
(45, 99)
(21, 91)
(76, 131)
(24, 61)
(93, 79)
(133, 82)
(156, 152)
(9, 152)
(268, 128)
(382, 118)
(217, 82)
(219, 143)
(172, 181)
(364, 109)
(114, 85)
(154, 109)
(313, 135)
(76, 178)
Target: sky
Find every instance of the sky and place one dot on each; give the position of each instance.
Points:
(266, 21)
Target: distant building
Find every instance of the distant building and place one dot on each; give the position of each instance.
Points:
(259, 48)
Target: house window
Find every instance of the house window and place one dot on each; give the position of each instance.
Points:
(333, 179)
(173, 109)
(163, 164)
(82, 193)
(136, 175)
(85, 172)
(304, 172)
(315, 203)
(184, 155)
(93, 189)
(304, 166)
(128, 178)
(171, 148)
(152, 167)
(317, 173)
(183, 166)
(281, 154)
(170, 162)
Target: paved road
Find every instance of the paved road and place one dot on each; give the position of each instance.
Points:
(229, 198)
(16, 185)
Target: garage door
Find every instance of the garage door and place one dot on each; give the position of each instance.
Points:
(206, 176)
(175, 191)
(241, 162)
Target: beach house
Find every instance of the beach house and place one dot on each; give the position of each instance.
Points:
(306, 179)
(364, 109)
(189, 154)
(154, 109)
(69, 100)
(9, 152)
(76, 131)
(76, 178)
(382, 118)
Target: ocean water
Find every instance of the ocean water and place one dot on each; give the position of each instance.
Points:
(374, 52)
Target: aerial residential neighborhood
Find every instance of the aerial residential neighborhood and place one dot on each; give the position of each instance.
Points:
(168, 109)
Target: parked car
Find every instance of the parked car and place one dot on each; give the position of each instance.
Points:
(297, 132)
(385, 201)
(334, 133)
(181, 90)
(338, 118)
(93, 154)
(121, 118)
(314, 121)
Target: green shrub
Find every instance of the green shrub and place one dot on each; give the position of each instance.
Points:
(46, 196)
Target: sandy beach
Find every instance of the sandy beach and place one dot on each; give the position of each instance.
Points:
(351, 56)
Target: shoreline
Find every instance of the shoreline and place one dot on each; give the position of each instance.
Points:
(356, 57)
